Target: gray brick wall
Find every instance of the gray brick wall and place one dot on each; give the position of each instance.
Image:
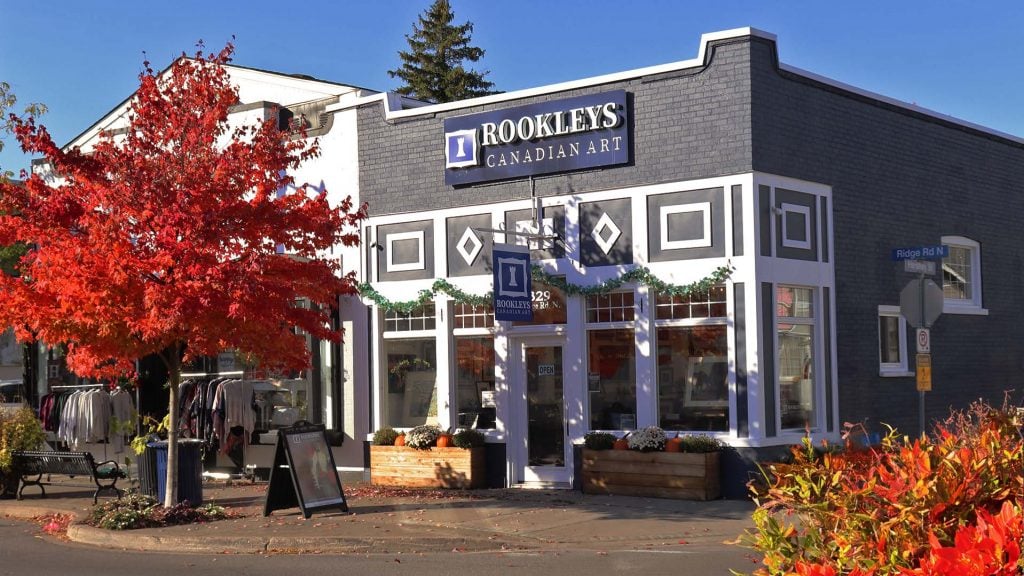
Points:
(688, 124)
(901, 178)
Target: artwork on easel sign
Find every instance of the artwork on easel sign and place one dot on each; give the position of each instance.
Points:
(304, 473)
(707, 381)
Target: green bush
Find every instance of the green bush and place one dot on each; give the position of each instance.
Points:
(19, 430)
(137, 510)
(598, 440)
(385, 437)
(699, 444)
(469, 438)
(133, 511)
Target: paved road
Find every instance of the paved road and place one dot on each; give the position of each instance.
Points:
(25, 551)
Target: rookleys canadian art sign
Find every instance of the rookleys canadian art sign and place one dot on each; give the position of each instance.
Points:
(542, 138)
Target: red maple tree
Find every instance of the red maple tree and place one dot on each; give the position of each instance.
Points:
(165, 237)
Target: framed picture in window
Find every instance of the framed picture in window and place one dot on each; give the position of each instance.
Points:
(707, 381)
(665, 376)
(420, 400)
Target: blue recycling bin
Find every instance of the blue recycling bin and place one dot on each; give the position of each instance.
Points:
(190, 470)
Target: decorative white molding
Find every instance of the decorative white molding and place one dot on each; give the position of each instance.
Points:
(805, 211)
(469, 255)
(702, 242)
(605, 224)
(419, 264)
(405, 107)
(547, 226)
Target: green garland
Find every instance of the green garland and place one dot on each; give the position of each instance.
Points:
(641, 276)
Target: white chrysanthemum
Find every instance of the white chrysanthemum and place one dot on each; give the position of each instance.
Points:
(649, 439)
(422, 437)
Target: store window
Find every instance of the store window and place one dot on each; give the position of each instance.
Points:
(961, 275)
(410, 363)
(693, 361)
(892, 342)
(474, 366)
(611, 361)
(548, 305)
(795, 332)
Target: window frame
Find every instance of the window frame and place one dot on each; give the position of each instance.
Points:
(972, 305)
(817, 383)
(631, 325)
(893, 369)
(694, 322)
(431, 310)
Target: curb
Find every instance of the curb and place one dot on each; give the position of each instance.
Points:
(132, 540)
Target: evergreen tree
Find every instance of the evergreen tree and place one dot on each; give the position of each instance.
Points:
(432, 70)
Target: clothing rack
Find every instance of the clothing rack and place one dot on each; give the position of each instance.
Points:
(77, 386)
(64, 387)
(227, 375)
(214, 374)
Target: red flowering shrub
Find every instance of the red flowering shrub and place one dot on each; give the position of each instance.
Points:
(991, 546)
(902, 507)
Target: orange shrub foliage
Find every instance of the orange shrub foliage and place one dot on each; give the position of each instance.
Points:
(945, 504)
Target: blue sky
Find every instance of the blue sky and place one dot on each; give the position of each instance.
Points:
(961, 58)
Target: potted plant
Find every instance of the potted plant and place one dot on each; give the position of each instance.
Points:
(686, 467)
(420, 462)
(19, 430)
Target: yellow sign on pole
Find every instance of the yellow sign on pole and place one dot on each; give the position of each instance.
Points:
(924, 372)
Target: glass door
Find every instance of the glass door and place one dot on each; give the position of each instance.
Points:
(543, 455)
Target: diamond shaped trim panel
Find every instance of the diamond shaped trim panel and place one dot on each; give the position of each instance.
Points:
(469, 254)
(605, 224)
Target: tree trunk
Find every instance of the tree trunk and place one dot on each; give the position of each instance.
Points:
(173, 378)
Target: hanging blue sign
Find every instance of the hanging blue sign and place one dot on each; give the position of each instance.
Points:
(512, 283)
(543, 138)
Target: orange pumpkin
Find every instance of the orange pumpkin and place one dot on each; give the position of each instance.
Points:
(444, 440)
(400, 440)
(674, 444)
(621, 443)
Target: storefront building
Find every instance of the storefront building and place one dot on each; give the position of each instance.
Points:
(628, 187)
(781, 193)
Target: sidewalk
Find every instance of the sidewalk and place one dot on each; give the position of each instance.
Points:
(391, 520)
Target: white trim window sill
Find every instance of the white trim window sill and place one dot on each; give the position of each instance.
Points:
(895, 374)
(965, 310)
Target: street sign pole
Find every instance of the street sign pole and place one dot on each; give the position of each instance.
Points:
(924, 312)
(921, 392)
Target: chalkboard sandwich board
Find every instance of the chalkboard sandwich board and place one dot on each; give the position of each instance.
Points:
(304, 473)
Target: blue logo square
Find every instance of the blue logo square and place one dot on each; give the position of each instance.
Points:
(461, 149)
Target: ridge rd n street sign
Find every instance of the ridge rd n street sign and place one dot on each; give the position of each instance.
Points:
(920, 253)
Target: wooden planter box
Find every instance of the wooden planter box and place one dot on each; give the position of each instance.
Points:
(653, 474)
(433, 468)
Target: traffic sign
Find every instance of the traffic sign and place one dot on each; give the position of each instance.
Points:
(924, 341)
(920, 252)
(924, 372)
(926, 267)
(921, 302)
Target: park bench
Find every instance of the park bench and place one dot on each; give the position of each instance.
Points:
(36, 463)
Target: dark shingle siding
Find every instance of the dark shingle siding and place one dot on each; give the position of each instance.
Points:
(685, 126)
(901, 178)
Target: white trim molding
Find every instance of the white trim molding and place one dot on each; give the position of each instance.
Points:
(701, 242)
(418, 264)
(973, 304)
(893, 369)
(804, 211)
